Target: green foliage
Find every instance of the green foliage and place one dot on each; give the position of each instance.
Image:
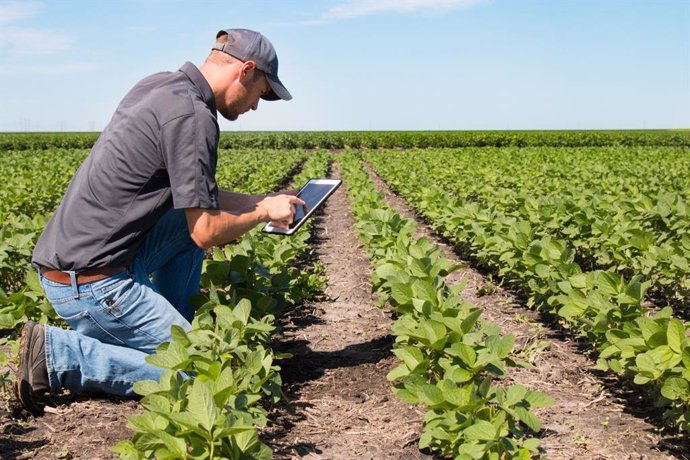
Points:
(206, 404)
(590, 235)
(449, 358)
(385, 139)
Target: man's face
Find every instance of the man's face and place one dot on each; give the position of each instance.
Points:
(243, 94)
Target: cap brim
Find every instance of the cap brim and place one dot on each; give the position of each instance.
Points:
(278, 91)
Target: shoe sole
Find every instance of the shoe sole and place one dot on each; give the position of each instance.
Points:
(23, 389)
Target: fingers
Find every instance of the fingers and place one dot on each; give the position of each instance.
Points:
(281, 223)
(281, 209)
(294, 200)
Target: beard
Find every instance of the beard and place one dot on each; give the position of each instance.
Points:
(229, 114)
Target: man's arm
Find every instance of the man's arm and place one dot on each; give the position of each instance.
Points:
(237, 202)
(209, 227)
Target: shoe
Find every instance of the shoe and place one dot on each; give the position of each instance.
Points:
(32, 376)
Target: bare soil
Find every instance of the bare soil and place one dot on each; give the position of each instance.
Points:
(340, 404)
(77, 428)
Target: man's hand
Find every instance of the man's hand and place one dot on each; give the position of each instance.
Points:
(209, 227)
(279, 209)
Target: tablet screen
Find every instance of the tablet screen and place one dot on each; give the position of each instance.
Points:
(314, 193)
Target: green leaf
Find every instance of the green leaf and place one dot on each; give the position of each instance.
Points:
(464, 352)
(126, 450)
(481, 430)
(243, 310)
(609, 283)
(254, 362)
(398, 372)
(425, 290)
(539, 399)
(504, 346)
(148, 422)
(425, 439)
(386, 270)
(435, 333)
(456, 395)
(531, 444)
(145, 387)
(179, 335)
(578, 281)
(174, 357)
(570, 310)
(676, 388)
(246, 440)
(174, 444)
(411, 356)
(528, 418)
(640, 379)
(458, 375)
(664, 358)
(675, 334)
(401, 293)
(201, 405)
(471, 451)
(514, 394)
(233, 430)
(406, 395)
(645, 363)
(189, 422)
(648, 327)
(469, 322)
(431, 395)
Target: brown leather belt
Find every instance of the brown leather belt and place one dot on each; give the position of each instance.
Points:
(83, 277)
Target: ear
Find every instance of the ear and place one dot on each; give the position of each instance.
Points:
(247, 68)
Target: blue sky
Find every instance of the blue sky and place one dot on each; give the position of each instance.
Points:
(364, 64)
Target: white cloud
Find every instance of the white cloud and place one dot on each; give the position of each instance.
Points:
(27, 40)
(15, 11)
(357, 8)
(47, 69)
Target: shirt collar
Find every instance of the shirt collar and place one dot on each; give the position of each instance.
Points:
(200, 82)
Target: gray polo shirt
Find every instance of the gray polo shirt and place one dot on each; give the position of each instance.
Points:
(159, 151)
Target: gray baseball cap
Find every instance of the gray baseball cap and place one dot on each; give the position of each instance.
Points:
(247, 45)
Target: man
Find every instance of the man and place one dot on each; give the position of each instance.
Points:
(122, 254)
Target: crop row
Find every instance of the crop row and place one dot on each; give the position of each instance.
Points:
(451, 361)
(624, 210)
(649, 347)
(386, 139)
(207, 405)
(21, 296)
(252, 276)
(32, 192)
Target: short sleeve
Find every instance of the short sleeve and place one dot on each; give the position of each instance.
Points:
(189, 145)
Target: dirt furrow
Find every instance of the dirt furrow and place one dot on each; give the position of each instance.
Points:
(592, 416)
(340, 403)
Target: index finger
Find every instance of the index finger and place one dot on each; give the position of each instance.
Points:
(295, 200)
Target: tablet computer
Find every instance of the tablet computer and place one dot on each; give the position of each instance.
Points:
(314, 194)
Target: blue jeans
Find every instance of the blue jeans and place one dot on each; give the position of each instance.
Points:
(118, 321)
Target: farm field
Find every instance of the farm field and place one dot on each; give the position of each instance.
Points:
(467, 295)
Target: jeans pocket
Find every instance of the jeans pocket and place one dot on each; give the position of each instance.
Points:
(116, 295)
(134, 313)
(80, 313)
